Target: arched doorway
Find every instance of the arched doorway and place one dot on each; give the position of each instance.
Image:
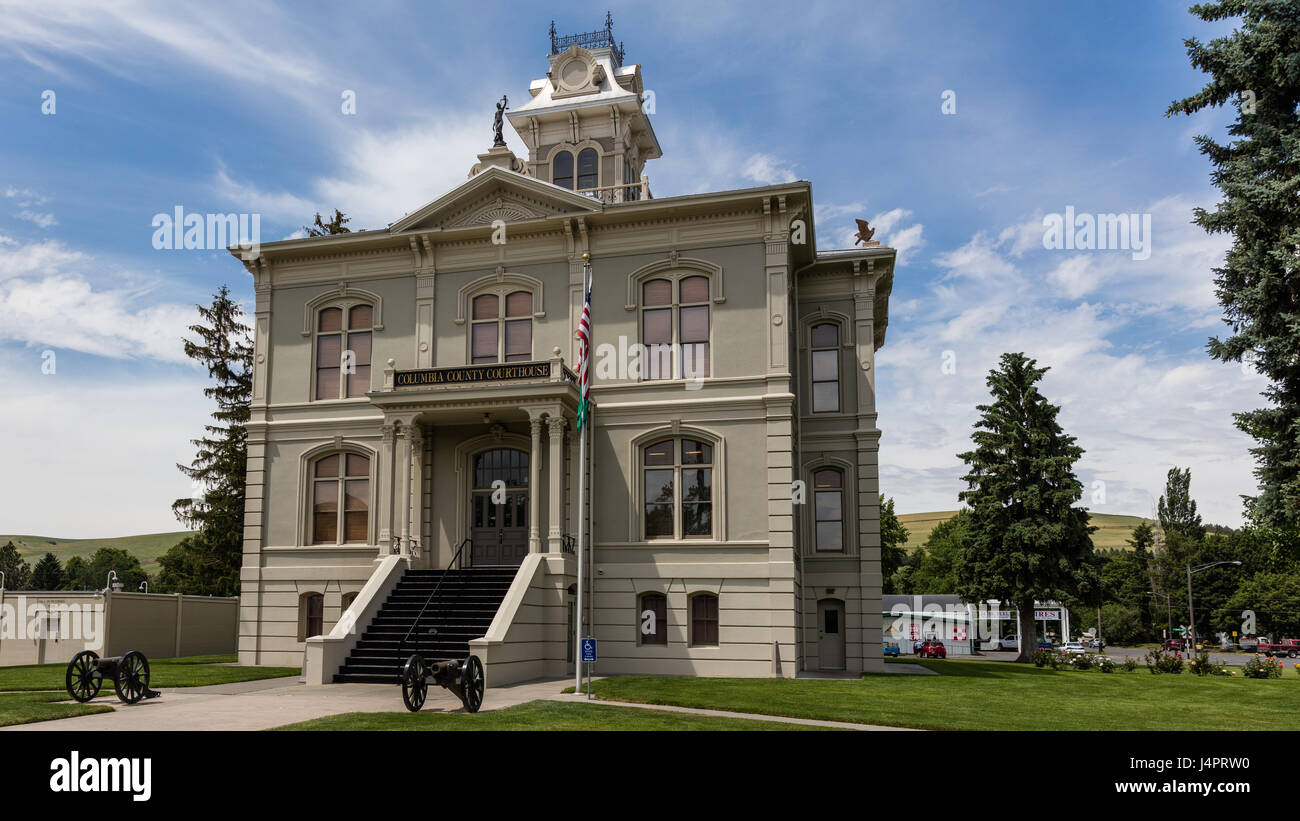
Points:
(498, 507)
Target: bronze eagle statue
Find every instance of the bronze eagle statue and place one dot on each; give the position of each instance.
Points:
(865, 232)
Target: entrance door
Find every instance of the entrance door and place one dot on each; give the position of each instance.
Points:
(830, 634)
(498, 510)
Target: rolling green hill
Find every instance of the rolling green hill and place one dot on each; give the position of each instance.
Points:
(1112, 530)
(146, 548)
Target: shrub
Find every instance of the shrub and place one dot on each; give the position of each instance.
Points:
(1042, 658)
(1130, 665)
(1106, 664)
(1083, 661)
(1202, 666)
(1263, 667)
(1060, 661)
(1161, 662)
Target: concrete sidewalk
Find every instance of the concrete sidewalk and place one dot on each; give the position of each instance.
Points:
(671, 708)
(261, 705)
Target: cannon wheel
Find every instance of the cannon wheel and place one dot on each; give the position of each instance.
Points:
(471, 684)
(415, 686)
(132, 679)
(83, 679)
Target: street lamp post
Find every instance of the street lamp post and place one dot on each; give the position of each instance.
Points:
(1190, 612)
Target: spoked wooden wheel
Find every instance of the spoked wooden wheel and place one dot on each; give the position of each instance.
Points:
(471, 684)
(132, 679)
(415, 686)
(83, 679)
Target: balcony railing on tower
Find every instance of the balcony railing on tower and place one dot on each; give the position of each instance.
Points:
(601, 38)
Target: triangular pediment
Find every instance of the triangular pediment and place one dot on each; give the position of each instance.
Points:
(496, 194)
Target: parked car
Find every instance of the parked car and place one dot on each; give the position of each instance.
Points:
(933, 650)
(1097, 644)
(1044, 644)
(1009, 642)
(1174, 646)
(1073, 648)
(891, 648)
(1284, 647)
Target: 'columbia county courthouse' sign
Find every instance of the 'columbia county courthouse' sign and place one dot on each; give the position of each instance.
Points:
(414, 407)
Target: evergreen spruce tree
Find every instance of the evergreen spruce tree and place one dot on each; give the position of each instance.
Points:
(1027, 540)
(1256, 69)
(48, 574)
(17, 572)
(208, 562)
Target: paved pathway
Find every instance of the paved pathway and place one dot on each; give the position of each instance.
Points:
(261, 705)
(838, 725)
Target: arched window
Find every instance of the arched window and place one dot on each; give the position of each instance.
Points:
(825, 353)
(828, 510)
(562, 170)
(678, 489)
(501, 329)
(652, 619)
(343, 337)
(340, 499)
(704, 620)
(675, 317)
(347, 600)
(588, 169)
(311, 616)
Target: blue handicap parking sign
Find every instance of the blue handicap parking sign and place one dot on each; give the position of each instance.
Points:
(588, 651)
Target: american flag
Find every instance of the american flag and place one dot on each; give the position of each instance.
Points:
(584, 358)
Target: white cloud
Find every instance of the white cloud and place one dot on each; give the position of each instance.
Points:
(381, 174)
(1136, 410)
(98, 459)
(46, 300)
(42, 219)
(66, 312)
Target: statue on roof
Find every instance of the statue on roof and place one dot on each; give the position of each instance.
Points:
(497, 123)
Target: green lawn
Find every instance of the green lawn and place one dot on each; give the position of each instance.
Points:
(24, 708)
(540, 715)
(191, 671)
(990, 695)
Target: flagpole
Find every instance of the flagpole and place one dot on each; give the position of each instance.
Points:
(582, 490)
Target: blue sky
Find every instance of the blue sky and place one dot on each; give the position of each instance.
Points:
(238, 109)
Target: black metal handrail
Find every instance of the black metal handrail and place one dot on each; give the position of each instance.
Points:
(455, 562)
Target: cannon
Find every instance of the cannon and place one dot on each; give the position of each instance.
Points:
(463, 677)
(129, 672)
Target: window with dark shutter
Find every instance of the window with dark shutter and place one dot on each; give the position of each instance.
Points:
(704, 620)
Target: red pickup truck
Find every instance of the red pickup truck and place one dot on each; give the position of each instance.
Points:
(1285, 647)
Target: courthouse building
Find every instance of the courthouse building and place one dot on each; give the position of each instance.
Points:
(414, 409)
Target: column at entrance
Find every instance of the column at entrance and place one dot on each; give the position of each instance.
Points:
(417, 492)
(555, 484)
(534, 480)
(403, 496)
(387, 462)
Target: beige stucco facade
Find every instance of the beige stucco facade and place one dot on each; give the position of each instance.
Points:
(759, 287)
